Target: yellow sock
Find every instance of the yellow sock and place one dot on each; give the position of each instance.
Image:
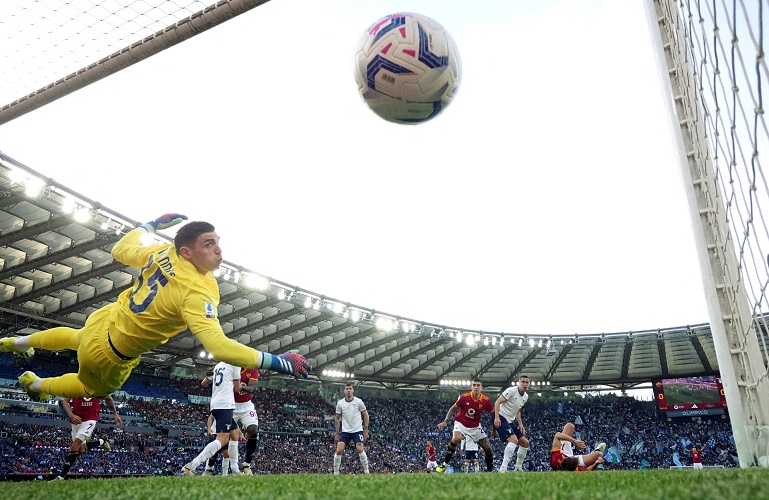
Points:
(68, 386)
(56, 339)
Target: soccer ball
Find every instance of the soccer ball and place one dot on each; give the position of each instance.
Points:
(407, 68)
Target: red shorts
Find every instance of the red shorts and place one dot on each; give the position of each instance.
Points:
(556, 457)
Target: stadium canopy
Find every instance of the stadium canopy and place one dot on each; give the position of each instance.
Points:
(56, 269)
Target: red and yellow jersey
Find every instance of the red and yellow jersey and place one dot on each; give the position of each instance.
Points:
(556, 457)
(168, 296)
(470, 409)
(86, 408)
(431, 453)
(246, 376)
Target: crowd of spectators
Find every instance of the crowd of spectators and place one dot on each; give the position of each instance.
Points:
(297, 435)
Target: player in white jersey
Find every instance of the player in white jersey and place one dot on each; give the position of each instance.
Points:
(471, 454)
(507, 420)
(225, 382)
(353, 416)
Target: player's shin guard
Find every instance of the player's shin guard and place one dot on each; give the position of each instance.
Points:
(363, 461)
(71, 459)
(232, 450)
(508, 456)
(337, 463)
(208, 452)
(520, 456)
(250, 449)
(450, 449)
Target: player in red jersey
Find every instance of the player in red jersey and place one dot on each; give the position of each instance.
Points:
(83, 414)
(467, 424)
(562, 455)
(245, 415)
(696, 457)
(432, 460)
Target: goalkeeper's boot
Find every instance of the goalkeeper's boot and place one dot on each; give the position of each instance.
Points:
(600, 447)
(8, 344)
(106, 446)
(26, 379)
(246, 469)
(442, 468)
(187, 470)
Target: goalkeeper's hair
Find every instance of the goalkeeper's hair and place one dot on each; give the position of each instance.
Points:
(189, 232)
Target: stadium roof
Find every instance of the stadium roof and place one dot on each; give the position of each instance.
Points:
(56, 269)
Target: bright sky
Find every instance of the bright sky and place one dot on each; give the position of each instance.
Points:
(546, 199)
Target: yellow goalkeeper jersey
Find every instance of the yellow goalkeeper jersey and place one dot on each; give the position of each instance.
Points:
(168, 296)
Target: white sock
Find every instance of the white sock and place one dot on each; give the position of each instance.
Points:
(520, 456)
(208, 452)
(507, 456)
(467, 466)
(477, 467)
(225, 466)
(337, 463)
(21, 342)
(232, 450)
(363, 461)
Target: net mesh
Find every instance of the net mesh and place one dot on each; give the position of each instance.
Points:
(46, 41)
(715, 56)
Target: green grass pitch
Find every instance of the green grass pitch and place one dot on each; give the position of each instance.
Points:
(724, 484)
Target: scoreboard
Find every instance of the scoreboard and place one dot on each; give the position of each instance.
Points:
(690, 396)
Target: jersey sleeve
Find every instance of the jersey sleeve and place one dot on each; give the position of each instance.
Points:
(198, 316)
(130, 251)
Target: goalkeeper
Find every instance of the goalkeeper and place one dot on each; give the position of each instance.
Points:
(173, 291)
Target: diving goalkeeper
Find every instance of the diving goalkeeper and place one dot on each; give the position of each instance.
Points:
(173, 291)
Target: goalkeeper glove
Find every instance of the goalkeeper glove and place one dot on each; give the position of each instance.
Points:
(164, 222)
(291, 363)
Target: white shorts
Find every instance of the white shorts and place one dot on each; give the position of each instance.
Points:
(697, 465)
(474, 433)
(432, 464)
(245, 415)
(83, 430)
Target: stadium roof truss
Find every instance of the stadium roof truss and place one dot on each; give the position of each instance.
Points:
(56, 269)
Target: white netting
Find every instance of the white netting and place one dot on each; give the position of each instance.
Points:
(47, 40)
(714, 52)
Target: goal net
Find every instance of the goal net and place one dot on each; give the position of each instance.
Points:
(711, 57)
(53, 48)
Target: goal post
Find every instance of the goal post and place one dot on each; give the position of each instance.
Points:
(711, 60)
(138, 50)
